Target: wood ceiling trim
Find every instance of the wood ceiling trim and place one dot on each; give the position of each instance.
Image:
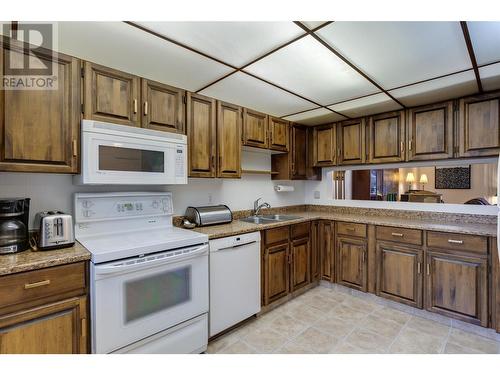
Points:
(340, 56)
(472, 55)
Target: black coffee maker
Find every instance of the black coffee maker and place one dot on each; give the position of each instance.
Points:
(14, 216)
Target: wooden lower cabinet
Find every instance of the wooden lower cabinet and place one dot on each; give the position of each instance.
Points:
(351, 263)
(300, 251)
(55, 328)
(326, 241)
(276, 272)
(315, 254)
(457, 286)
(399, 273)
(495, 285)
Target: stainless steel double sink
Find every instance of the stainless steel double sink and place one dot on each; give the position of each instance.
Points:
(269, 219)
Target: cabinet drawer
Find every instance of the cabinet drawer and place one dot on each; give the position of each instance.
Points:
(300, 230)
(33, 285)
(351, 229)
(406, 236)
(277, 235)
(453, 241)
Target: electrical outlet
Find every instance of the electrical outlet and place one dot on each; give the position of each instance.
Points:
(317, 194)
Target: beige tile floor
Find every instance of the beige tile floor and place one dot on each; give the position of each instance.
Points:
(333, 320)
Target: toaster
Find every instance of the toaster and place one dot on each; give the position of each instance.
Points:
(55, 230)
(209, 215)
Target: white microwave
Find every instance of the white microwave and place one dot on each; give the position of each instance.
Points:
(124, 155)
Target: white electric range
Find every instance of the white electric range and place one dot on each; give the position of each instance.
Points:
(149, 280)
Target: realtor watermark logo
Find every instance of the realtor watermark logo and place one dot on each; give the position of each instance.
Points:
(30, 60)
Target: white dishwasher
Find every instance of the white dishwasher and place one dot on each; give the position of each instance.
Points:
(234, 280)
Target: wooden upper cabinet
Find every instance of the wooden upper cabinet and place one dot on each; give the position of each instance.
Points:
(351, 263)
(457, 286)
(400, 273)
(39, 129)
(351, 142)
(325, 145)
(479, 125)
(201, 133)
(430, 132)
(299, 152)
(163, 107)
(228, 140)
(111, 95)
(56, 328)
(255, 129)
(387, 138)
(278, 134)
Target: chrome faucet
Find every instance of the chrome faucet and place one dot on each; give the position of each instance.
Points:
(257, 207)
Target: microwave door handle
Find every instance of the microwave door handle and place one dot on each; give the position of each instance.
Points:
(119, 268)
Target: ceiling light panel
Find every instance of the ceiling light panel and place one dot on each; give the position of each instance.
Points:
(244, 90)
(123, 47)
(310, 69)
(315, 117)
(490, 77)
(399, 53)
(236, 43)
(485, 37)
(449, 87)
(368, 105)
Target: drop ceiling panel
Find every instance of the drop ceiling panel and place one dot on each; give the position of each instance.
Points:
(490, 77)
(315, 117)
(368, 105)
(485, 37)
(123, 47)
(310, 69)
(313, 24)
(437, 89)
(400, 53)
(244, 90)
(236, 43)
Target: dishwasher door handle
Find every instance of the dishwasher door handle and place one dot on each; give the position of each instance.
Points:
(234, 246)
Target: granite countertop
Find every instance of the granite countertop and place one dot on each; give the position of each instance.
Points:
(32, 260)
(240, 227)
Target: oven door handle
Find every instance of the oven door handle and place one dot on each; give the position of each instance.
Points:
(159, 259)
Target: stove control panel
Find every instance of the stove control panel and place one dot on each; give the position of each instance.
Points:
(93, 207)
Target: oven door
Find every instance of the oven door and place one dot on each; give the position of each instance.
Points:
(138, 297)
(117, 159)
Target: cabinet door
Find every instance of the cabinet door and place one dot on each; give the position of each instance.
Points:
(479, 126)
(39, 129)
(387, 138)
(163, 107)
(201, 134)
(276, 272)
(351, 142)
(301, 267)
(255, 129)
(299, 153)
(56, 328)
(456, 286)
(399, 273)
(326, 249)
(325, 145)
(351, 263)
(278, 134)
(430, 132)
(312, 172)
(495, 281)
(228, 140)
(111, 95)
(315, 256)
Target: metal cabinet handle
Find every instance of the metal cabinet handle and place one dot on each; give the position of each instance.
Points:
(428, 269)
(135, 105)
(419, 268)
(410, 145)
(459, 242)
(36, 285)
(75, 148)
(145, 108)
(394, 234)
(402, 147)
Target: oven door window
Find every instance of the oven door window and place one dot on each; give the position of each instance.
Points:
(155, 293)
(112, 158)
